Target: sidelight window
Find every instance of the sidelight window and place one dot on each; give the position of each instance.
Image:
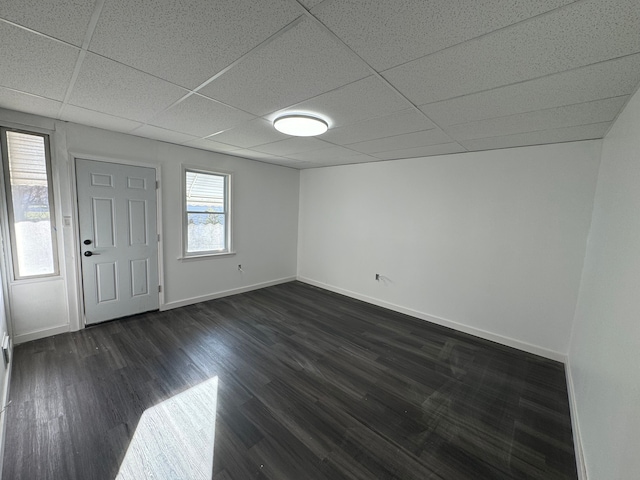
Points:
(27, 175)
(206, 213)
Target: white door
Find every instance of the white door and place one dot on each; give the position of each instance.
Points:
(118, 237)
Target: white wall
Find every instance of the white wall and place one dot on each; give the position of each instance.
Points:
(264, 211)
(604, 357)
(493, 241)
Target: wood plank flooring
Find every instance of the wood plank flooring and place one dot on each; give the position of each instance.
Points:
(311, 385)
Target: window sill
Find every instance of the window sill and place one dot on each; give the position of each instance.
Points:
(205, 255)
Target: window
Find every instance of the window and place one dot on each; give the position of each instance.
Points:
(207, 218)
(27, 175)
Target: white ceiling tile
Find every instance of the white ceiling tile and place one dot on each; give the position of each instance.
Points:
(500, 88)
(569, 134)
(297, 165)
(331, 153)
(572, 115)
(292, 145)
(406, 121)
(34, 64)
(361, 100)
(429, 151)
(389, 33)
(24, 102)
(407, 140)
(266, 158)
(302, 63)
(602, 80)
(310, 3)
(337, 162)
(186, 42)
(285, 162)
(110, 87)
(362, 158)
(200, 116)
(571, 37)
(156, 133)
(63, 19)
(205, 144)
(250, 134)
(97, 119)
(255, 155)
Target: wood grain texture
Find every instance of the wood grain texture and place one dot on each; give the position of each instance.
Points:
(311, 385)
(175, 438)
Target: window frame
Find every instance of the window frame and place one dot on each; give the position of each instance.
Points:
(227, 212)
(8, 196)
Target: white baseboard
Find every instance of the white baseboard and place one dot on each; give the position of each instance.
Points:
(37, 334)
(5, 400)
(575, 426)
(494, 337)
(225, 293)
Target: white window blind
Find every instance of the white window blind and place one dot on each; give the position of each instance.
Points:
(207, 215)
(30, 204)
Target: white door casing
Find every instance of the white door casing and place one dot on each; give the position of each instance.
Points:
(117, 214)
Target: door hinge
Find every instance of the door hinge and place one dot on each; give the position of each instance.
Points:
(157, 184)
(159, 288)
(158, 237)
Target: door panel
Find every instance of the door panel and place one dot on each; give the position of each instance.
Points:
(104, 232)
(107, 282)
(118, 236)
(139, 277)
(137, 222)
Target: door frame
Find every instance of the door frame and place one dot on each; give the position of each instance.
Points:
(73, 156)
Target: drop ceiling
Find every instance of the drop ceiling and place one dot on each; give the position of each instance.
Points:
(394, 79)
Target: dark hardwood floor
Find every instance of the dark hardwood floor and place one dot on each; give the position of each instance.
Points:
(312, 385)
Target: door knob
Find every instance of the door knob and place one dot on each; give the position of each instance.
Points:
(88, 253)
(87, 242)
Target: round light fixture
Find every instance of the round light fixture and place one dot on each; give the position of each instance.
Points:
(300, 125)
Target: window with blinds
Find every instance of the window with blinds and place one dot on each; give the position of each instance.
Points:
(27, 174)
(206, 213)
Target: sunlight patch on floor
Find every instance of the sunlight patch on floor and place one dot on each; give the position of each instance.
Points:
(174, 439)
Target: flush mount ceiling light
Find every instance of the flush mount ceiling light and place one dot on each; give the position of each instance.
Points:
(300, 125)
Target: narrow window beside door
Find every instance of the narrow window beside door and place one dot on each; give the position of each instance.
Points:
(206, 217)
(27, 175)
